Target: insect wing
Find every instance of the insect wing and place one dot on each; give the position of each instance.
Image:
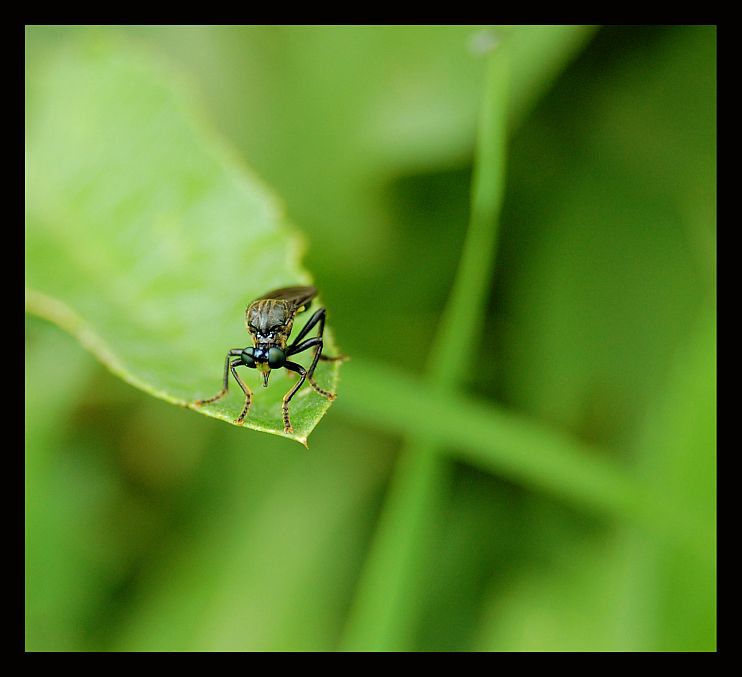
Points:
(295, 296)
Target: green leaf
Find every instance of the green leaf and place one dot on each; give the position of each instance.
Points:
(145, 237)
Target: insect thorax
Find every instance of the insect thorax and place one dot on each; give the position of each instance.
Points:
(269, 321)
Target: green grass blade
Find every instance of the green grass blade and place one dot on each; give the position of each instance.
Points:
(384, 615)
(486, 436)
(457, 338)
(515, 447)
(145, 237)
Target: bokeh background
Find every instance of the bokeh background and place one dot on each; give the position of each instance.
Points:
(149, 527)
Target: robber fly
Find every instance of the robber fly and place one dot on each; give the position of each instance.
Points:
(270, 319)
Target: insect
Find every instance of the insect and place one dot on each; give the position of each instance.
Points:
(270, 319)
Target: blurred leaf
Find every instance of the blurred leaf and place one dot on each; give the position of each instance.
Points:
(64, 492)
(677, 448)
(573, 601)
(606, 229)
(634, 591)
(269, 574)
(144, 236)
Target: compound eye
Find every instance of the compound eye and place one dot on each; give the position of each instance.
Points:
(276, 358)
(247, 357)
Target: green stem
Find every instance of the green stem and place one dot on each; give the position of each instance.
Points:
(489, 437)
(458, 335)
(510, 445)
(389, 596)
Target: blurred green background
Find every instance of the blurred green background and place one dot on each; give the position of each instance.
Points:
(149, 527)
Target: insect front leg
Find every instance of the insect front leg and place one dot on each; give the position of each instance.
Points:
(319, 317)
(293, 366)
(223, 391)
(305, 345)
(245, 389)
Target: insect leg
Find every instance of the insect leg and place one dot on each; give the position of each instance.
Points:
(287, 427)
(305, 345)
(318, 317)
(245, 389)
(333, 358)
(223, 391)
